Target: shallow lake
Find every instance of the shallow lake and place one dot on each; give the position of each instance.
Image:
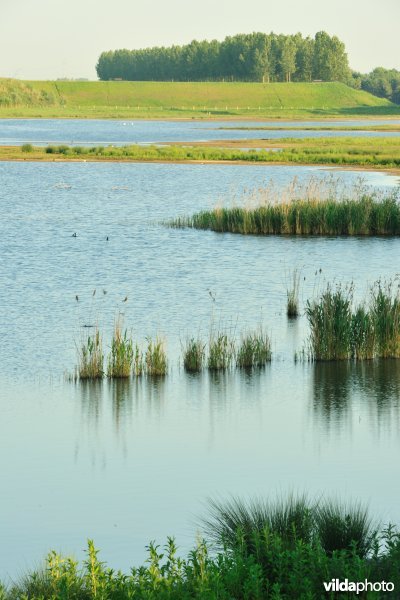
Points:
(118, 132)
(125, 463)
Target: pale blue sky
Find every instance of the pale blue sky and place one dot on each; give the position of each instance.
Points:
(46, 39)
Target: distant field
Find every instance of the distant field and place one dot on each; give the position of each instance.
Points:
(126, 99)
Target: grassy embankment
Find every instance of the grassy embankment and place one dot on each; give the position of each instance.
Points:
(169, 100)
(373, 153)
(262, 550)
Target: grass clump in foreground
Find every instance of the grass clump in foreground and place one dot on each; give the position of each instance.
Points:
(367, 215)
(340, 331)
(263, 550)
(91, 357)
(292, 293)
(254, 350)
(221, 351)
(121, 356)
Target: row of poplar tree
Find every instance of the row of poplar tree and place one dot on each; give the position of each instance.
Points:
(244, 57)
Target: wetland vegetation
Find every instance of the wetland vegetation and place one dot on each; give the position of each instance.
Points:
(257, 550)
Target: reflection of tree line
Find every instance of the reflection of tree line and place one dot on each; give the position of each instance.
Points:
(335, 384)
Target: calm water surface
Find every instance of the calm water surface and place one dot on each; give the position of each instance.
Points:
(88, 131)
(124, 462)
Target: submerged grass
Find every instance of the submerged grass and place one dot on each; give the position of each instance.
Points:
(367, 215)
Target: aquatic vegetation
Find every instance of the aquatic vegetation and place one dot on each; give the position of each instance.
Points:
(91, 357)
(221, 351)
(254, 350)
(292, 293)
(340, 331)
(138, 361)
(121, 357)
(330, 320)
(365, 215)
(156, 359)
(193, 355)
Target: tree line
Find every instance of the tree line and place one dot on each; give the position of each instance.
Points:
(381, 82)
(244, 57)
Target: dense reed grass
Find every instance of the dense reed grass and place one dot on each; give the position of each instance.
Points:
(121, 356)
(91, 357)
(330, 524)
(367, 215)
(292, 293)
(221, 351)
(156, 358)
(264, 551)
(193, 355)
(254, 350)
(341, 331)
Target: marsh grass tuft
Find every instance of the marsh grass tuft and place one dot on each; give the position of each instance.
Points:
(292, 293)
(193, 355)
(91, 357)
(121, 357)
(385, 314)
(254, 350)
(221, 351)
(156, 358)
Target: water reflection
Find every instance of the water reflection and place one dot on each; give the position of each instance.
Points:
(343, 392)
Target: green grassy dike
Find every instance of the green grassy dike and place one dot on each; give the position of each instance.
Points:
(257, 550)
(372, 153)
(177, 100)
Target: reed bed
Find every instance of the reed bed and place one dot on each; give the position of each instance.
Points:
(367, 215)
(121, 357)
(341, 331)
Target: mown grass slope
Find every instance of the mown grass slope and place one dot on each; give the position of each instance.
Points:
(196, 99)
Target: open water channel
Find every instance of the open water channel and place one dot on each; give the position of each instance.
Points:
(128, 462)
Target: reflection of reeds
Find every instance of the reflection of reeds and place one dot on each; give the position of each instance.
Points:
(90, 357)
(254, 350)
(120, 359)
(193, 355)
(156, 358)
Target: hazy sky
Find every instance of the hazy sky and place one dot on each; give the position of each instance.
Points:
(46, 39)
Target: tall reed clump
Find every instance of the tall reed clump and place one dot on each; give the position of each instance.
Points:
(339, 331)
(254, 350)
(156, 358)
(385, 314)
(193, 355)
(121, 356)
(221, 351)
(91, 357)
(367, 214)
(292, 293)
(330, 321)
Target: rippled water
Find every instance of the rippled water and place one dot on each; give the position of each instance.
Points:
(88, 131)
(125, 463)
